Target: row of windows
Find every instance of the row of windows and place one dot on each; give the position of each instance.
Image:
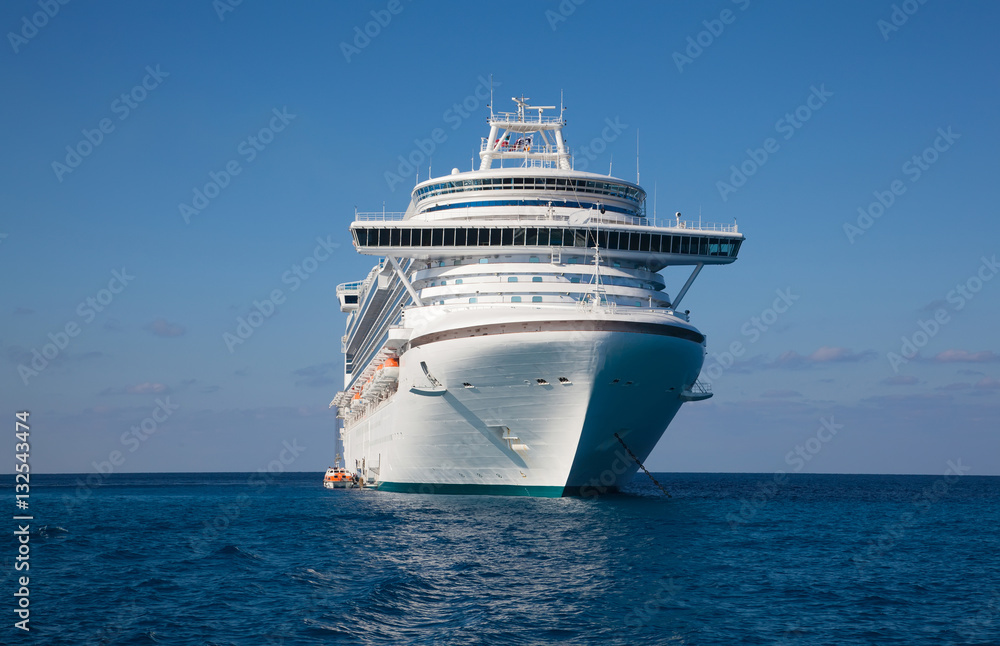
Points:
(538, 183)
(557, 203)
(574, 279)
(545, 236)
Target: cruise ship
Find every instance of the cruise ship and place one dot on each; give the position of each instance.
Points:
(514, 336)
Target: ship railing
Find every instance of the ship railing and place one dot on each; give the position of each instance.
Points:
(701, 388)
(349, 288)
(515, 147)
(500, 118)
(378, 216)
(618, 219)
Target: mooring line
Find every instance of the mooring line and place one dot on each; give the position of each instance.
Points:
(642, 466)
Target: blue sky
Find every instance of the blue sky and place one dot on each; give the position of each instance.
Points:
(299, 120)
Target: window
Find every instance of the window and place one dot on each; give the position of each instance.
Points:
(458, 281)
(533, 259)
(536, 279)
(515, 299)
(574, 279)
(394, 237)
(483, 261)
(437, 238)
(511, 279)
(473, 300)
(536, 299)
(507, 237)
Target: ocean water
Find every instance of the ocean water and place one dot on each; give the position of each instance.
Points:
(728, 559)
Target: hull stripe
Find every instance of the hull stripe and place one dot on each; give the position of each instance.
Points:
(561, 326)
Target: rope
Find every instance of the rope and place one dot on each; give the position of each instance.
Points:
(641, 466)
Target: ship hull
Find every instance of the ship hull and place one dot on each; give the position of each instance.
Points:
(526, 413)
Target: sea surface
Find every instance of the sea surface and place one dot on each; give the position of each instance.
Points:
(728, 559)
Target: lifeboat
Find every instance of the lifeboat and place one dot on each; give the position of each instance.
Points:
(337, 477)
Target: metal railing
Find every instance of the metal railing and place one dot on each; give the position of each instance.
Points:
(517, 216)
(500, 118)
(378, 216)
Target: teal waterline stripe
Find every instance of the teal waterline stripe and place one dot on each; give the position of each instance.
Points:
(473, 489)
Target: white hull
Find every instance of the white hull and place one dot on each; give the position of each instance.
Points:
(510, 434)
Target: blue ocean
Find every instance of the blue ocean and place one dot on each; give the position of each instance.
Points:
(727, 559)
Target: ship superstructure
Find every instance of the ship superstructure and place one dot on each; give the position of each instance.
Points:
(516, 321)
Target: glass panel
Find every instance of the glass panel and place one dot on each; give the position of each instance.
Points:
(518, 237)
(473, 300)
(703, 246)
(580, 238)
(511, 279)
(644, 242)
(543, 236)
(536, 279)
(675, 244)
(507, 237)
(458, 281)
(496, 234)
(633, 241)
(437, 239)
(394, 237)
(484, 261)
(536, 299)
(531, 236)
(515, 299)
(602, 239)
(404, 237)
(591, 239)
(449, 237)
(425, 238)
(685, 244)
(613, 239)
(556, 235)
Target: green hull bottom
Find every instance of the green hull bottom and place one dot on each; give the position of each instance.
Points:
(479, 490)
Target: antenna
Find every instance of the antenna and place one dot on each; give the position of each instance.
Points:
(611, 164)
(491, 97)
(636, 155)
(654, 201)
(430, 163)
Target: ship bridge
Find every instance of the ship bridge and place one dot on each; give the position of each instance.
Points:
(527, 136)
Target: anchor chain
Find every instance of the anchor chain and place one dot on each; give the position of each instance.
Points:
(642, 466)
